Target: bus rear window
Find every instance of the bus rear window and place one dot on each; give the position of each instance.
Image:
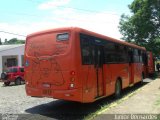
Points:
(62, 37)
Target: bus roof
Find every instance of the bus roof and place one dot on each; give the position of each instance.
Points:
(81, 30)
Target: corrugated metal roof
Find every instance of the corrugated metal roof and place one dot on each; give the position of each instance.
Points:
(7, 47)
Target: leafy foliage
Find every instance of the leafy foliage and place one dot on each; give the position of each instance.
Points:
(13, 41)
(0, 42)
(143, 26)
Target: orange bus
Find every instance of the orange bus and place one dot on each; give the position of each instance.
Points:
(79, 65)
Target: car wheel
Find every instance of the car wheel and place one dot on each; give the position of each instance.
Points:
(6, 83)
(118, 89)
(4, 76)
(18, 81)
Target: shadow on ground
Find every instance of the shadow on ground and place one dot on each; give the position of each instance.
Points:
(12, 84)
(72, 110)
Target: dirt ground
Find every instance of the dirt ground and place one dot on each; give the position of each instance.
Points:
(13, 100)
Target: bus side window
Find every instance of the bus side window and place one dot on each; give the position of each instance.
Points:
(86, 51)
(135, 56)
(127, 54)
(144, 58)
(109, 53)
(140, 56)
(130, 54)
(121, 54)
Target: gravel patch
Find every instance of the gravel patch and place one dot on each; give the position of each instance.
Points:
(13, 99)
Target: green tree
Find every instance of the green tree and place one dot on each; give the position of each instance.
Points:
(14, 41)
(143, 26)
(0, 42)
(5, 42)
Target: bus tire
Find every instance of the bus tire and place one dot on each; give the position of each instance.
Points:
(118, 89)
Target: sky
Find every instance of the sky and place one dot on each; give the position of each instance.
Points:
(24, 17)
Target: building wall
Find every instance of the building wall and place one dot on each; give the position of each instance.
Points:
(17, 52)
(4, 61)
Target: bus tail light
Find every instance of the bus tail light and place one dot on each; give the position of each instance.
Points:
(72, 73)
(27, 83)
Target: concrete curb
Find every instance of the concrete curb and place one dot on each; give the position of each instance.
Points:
(114, 104)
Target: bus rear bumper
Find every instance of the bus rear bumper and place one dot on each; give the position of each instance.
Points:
(72, 95)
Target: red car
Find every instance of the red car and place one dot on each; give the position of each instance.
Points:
(13, 74)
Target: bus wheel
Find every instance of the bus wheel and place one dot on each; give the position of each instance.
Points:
(118, 89)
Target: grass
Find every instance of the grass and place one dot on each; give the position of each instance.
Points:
(107, 107)
(155, 75)
(158, 102)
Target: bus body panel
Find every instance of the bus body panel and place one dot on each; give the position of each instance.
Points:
(46, 70)
(112, 73)
(136, 70)
(72, 95)
(151, 65)
(108, 82)
(88, 76)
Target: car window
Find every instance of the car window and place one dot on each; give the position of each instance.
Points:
(12, 70)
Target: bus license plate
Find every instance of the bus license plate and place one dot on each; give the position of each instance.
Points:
(47, 92)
